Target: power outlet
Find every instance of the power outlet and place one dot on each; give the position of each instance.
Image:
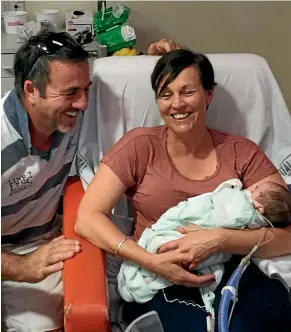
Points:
(14, 5)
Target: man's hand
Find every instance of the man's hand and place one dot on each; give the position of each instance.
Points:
(169, 266)
(49, 258)
(36, 266)
(163, 46)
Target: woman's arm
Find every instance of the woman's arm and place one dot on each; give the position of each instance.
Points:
(278, 239)
(242, 241)
(202, 243)
(276, 177)
(93, 223)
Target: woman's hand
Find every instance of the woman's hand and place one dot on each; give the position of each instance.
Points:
(198, 244)
(169, 265)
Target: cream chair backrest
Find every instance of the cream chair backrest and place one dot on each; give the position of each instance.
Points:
(247, 101)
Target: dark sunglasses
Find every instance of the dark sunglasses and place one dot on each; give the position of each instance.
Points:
(50, 46)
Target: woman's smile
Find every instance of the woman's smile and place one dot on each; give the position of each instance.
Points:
(181, 116)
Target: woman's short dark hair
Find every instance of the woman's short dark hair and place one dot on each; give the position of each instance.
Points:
(173, 63)
(32, 59)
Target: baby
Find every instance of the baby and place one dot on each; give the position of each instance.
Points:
(228, 206)
(273, 201)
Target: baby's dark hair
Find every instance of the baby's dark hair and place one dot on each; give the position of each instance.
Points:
(277, 205)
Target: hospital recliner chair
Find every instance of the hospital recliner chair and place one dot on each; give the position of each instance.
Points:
(247, 101)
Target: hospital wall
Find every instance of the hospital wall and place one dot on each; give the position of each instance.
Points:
(260, 27)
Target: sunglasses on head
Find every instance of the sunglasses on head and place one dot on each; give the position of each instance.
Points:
(50, 46)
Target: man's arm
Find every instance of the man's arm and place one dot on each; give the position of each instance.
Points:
(39, 264)
(11, 266)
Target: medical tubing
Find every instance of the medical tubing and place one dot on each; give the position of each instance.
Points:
(226, 297)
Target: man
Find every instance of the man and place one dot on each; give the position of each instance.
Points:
(40, 121)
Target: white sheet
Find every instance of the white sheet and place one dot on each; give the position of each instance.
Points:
(277, 268)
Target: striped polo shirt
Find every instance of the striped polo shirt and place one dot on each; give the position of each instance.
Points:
(32, 180)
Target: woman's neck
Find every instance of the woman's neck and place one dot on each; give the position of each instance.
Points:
(195, 143)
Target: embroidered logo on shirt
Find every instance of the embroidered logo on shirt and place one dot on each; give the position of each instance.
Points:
(20, 183)
(285, 166)
(70, 144)
(81, 163)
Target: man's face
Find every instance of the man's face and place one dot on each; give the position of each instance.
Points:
(66, 95)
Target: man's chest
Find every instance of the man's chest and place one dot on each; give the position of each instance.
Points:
(34, 174)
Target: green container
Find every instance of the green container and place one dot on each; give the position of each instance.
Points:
(117, 38)
(110, 17)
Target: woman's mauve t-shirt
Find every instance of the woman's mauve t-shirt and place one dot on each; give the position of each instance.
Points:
(153, 184)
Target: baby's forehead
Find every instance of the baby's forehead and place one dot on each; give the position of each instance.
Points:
(268, 186)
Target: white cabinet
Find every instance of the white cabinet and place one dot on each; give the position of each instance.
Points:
(7, 84)
(9, 46)
(7, 65)
(7, 58)
(7, 75)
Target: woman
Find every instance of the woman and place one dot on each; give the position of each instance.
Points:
(161, 166)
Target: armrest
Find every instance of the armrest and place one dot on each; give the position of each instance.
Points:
(84, 276)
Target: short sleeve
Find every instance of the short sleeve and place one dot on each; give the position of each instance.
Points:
(128, 158)
(251, 162)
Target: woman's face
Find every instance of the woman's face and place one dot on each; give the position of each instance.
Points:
(183, 102)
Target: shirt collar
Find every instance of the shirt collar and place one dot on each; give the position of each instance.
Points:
(18, 117)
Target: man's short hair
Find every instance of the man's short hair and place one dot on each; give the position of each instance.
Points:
(33, 58)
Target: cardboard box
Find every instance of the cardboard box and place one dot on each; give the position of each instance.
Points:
(79, 20)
